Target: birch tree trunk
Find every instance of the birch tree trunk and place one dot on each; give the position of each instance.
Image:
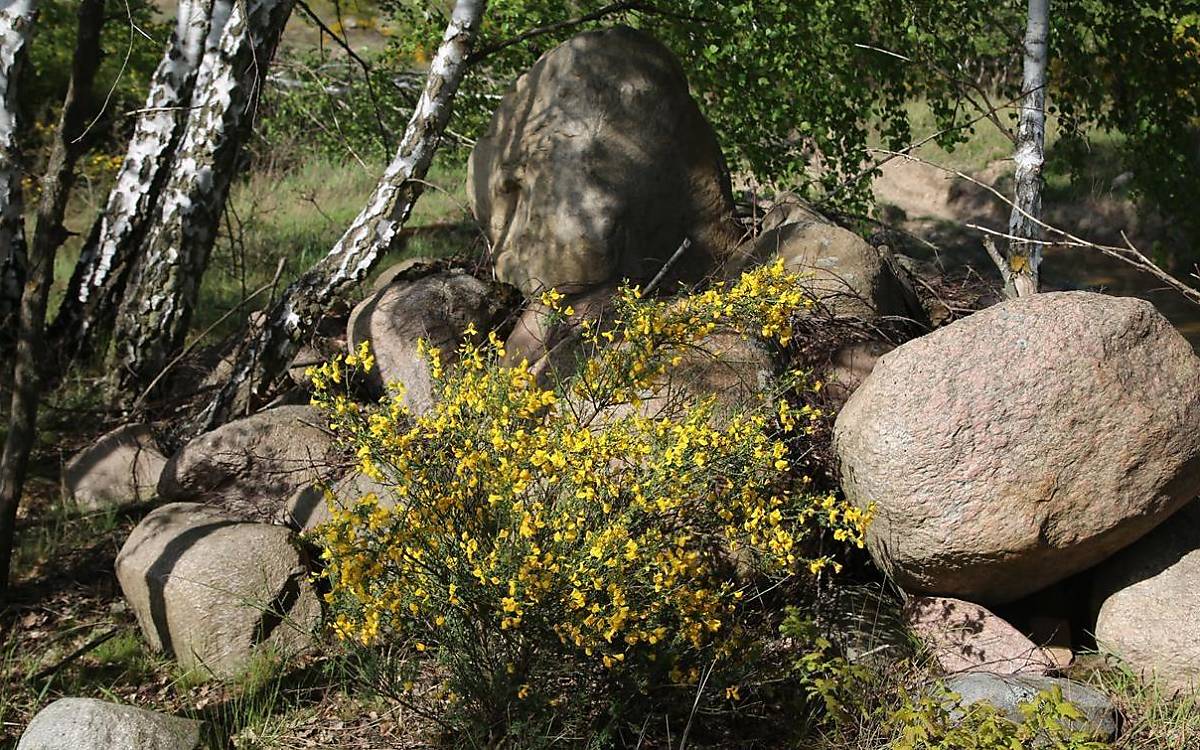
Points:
(265, 352)
(48, 236)
(154, 316)
(94, 291)
(1024, 255)
(16, 21)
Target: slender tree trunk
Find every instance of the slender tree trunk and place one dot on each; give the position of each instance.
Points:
(265, 352)
(1024, 255)
(154, 317)
(16, 21)
(89, 305)
(48, 235)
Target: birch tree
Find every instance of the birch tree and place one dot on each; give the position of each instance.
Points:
(48, 235)
(16, 21)
(99, 278)
(154, 316)
(1024, 251)
(265, 352)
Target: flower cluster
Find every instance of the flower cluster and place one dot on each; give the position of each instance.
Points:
(519, 528)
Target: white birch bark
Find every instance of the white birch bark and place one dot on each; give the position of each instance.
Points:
(1024, 256)
(98, 280)
(156, 312)
(16, 21)
(266, 351)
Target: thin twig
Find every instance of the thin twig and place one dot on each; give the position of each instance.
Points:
(55, 668)
(1129, 254)
(662, 272)
(550, 28)
(366, 68)
(696, 703)
(124, 64)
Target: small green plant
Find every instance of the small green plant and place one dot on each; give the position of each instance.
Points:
(938, 722)
(556, 546)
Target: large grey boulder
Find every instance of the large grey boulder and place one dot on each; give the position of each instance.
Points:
(848, 276)
(597, 164)
(213, 591)
(121, 468)
(1023, 444)
(1149, 602)
(89, 724)
(1007, 692)
(437, 308)
(251, 466)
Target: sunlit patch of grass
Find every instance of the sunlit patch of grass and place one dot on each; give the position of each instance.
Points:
(298, 215)
(1154, 717)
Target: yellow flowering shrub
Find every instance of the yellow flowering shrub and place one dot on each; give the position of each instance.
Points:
(542, 538)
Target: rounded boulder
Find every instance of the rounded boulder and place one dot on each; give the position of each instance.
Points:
(90, 724)
(212, 590)
(1023, 444)
(437, 308)
(1149, 603)
(597, 165)
(251, 466)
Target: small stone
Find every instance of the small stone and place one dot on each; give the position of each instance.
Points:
(849, 277)
(1006, 693)
(965, 637)
(1053, 635)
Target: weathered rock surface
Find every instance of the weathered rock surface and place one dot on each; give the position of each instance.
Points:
(1149, 602)
(549, 341)
(851, 365)
(308, 507)
(1023, 444)
(89, 724)
(212, 591)
(121, 468)
(596, 165)
(849, 277)
(408, 265)
(735, 369)
(965, 637)
(789, 208)
(252, 465)
(437, 308)
(1007, 692)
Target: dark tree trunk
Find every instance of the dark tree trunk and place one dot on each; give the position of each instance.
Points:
(1024, 253)
(154, 317)
(16, 21)
(265, 352)
(90, 303)
(48, 235)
